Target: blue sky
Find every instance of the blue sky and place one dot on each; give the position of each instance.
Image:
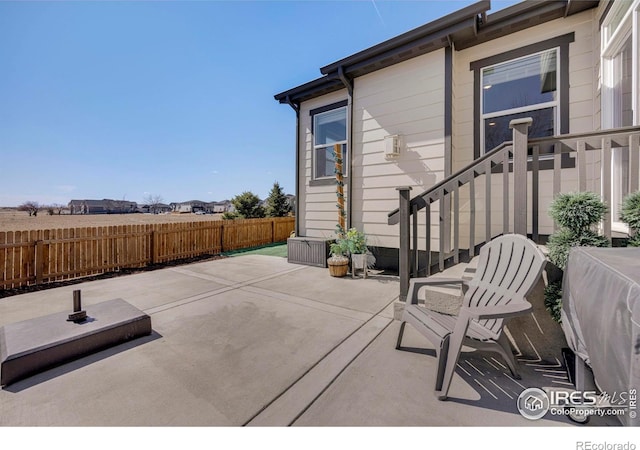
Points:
(122, 99)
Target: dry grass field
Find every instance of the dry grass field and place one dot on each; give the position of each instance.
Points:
(12, 220)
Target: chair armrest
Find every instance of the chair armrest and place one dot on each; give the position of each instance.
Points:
(435, 281)
(516, 308)
(416, 283)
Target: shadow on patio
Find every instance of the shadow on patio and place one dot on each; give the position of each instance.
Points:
(254, 340)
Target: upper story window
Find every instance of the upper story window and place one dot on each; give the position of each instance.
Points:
(329, 128)
(530, 81)
(521, 87)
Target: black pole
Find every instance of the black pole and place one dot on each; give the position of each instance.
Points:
(404, 262)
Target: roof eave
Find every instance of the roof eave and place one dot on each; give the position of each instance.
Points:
(466, 28)
(451, 20)
(521, 16)
(309, 90)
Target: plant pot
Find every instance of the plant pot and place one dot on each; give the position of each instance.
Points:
(338, 266)
(359, 261)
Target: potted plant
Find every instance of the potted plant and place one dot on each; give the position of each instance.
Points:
(339, 261)
(357, 244)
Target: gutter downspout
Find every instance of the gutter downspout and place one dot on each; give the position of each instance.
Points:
(296, 108)
(349, 85)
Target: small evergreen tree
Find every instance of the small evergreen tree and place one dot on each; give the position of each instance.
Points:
(277, 203)
(630, 214)
(577, 214)
(230, 215)
(247, 206)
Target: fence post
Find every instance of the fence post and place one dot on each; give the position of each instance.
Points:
(39, 266)
(404, 262)
(273, 231)
(222, 237)
(153, 247)
(520, 130)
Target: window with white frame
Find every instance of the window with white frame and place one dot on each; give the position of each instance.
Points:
(620, 90)
(522, 87)
(329, 129)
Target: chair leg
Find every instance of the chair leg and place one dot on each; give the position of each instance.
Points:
(504, 348)
(441, 355)
(399, 343)
(455, 345)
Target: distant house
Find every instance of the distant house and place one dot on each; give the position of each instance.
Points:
(104, 206)
(160, 208)
(191, 206)
(221, 207)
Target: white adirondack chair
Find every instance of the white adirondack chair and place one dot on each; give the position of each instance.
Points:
(508, 268)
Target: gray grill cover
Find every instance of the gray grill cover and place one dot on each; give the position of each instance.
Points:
(601, 315)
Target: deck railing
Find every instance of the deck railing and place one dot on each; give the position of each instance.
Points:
(516, 166)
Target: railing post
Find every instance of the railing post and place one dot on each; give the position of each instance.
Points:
(520, 130)
(404, 263)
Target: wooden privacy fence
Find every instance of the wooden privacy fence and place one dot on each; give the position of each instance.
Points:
(43, 256)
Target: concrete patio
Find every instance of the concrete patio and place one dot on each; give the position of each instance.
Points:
(253, 340)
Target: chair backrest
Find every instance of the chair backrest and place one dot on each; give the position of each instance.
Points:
(509, 266)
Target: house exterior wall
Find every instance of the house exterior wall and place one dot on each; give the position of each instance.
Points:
(405, 99)
(408, 99)
(583, 104)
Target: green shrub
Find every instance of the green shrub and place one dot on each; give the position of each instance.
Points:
(247, 206)
(630, 211)
(339, 248)
(230, 215)
(577, 211)
(630, 214)
(634, 241)
(357, 241)
(561, 242)
(553, 300)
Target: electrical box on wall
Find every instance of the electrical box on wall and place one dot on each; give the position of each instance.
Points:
(392, 145)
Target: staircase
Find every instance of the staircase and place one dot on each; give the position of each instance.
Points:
(506, 178)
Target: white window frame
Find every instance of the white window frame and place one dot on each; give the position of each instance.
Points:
(552, 104)
(612, 41)
(344, 143)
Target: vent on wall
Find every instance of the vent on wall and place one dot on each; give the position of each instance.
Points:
(392, 145)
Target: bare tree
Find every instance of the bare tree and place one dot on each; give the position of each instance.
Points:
(31, 207)
(54, 208)
(153, 201)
